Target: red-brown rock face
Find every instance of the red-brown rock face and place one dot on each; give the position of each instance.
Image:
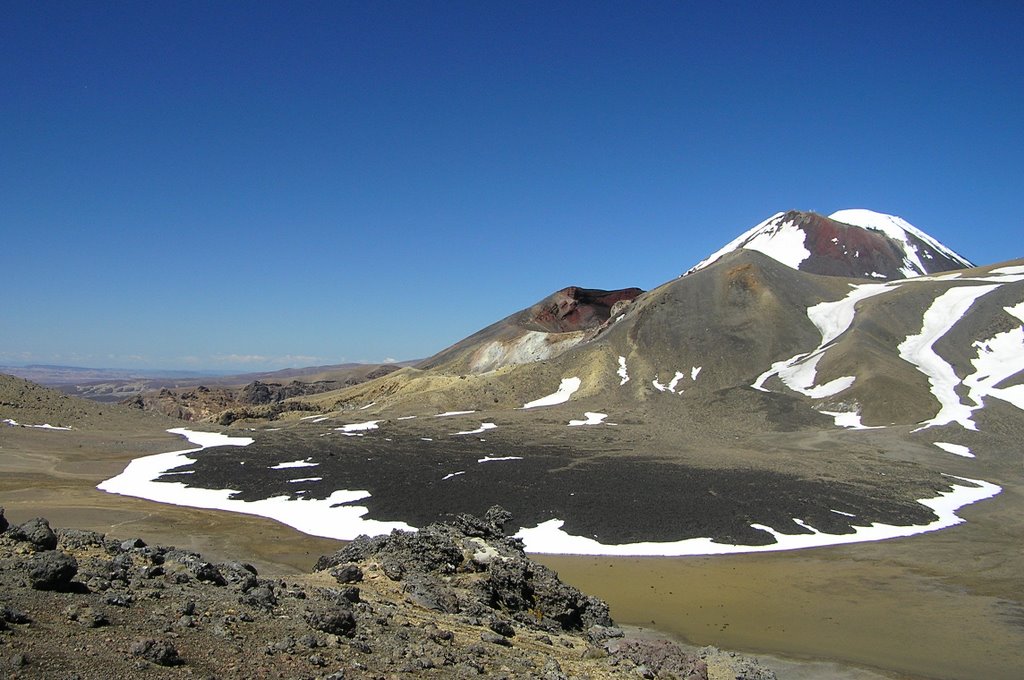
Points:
(575, 309)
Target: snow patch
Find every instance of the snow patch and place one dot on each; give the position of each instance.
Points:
(849, 420)
(483, 428)
(592, 418)
(304, 479)
(491, 459)
(566, 389)
(957, 449)
(453, 474)
(45, 426)
(356, 429)
(447, 414)
(285, 466)
(622, 371)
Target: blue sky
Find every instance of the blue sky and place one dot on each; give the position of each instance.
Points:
(247, 186)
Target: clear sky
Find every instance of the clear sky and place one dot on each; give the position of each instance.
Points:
(254, 185)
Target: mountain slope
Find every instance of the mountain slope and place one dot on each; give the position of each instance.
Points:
(752, 317)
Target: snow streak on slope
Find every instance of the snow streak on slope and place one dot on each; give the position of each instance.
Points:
(566, 389)
(945, 311)
(898, 230)
(999, 358)
(832, 319)
(622, 371)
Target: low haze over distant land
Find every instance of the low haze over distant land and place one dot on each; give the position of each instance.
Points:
(241, 186)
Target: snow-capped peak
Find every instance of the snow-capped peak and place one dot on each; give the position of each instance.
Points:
(898, 229)
(851, 243)
(775, 237)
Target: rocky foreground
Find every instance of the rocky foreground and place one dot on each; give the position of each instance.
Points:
(452, 600)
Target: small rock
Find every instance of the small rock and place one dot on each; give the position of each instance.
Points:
(262, 597)
(3, 520)
(393, 569)
(15, 616)
(37, 532)
(335, 620)
(347, 573)
(160, 652)
(502, 627)
(52, 570)
(80, 539)
(552, 670)
(205, 571)
(494, 638)
(132, 543)
(597, 633)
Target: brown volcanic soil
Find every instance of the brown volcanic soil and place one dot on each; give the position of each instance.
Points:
(902, 605)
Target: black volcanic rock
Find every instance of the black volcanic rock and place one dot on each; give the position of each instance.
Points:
(160, 652)
(37, 532)
(52, 570)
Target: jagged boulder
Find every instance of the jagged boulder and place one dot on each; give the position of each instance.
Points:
(52, 570)
(435, 565)
(37, 532)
